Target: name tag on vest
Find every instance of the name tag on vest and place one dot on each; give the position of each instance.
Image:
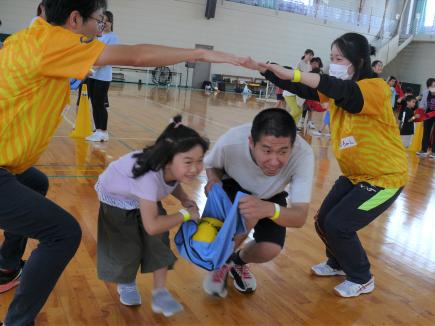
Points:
(347, 142)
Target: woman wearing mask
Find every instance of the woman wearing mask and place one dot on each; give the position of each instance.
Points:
(368, 148)
(99, 83)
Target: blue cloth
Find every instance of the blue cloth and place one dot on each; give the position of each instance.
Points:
(212, 256)
(74, 83)
(105, 73)
(326, 118)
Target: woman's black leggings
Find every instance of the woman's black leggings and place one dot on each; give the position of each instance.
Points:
(347, 209)
(429, 129)
(98, 90)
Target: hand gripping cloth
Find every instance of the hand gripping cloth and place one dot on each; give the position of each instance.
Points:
(212, 255)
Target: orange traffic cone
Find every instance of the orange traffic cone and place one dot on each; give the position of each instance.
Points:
(83, 126)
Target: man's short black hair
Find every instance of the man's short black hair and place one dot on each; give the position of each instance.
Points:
(58, 11)
(273, 122)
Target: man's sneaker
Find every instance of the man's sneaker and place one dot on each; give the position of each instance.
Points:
(323, 269)
(164, 303)
(10, 279)
(349, 289)
(244, 280)
(421, 154)
(215, 283)
(317, 133)
(129, 295)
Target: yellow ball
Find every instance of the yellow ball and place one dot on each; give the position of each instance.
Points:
(208, 229)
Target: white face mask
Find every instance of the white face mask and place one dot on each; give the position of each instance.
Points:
(432, 89)
(339, 71)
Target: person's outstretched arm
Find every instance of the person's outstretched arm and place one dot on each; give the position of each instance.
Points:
(301, 90)
(147, 55)
(346, 93)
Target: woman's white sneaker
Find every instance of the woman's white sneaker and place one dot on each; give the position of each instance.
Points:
(98, 136)
(349, 289)
(323, 269)
(94, 137)
(104, 135)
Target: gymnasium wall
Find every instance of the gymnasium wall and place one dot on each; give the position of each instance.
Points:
(414, 64)
(264, 34)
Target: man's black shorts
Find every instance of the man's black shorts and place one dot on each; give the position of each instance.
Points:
(265, 230)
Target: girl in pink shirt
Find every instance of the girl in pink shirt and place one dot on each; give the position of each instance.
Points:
(133, 227)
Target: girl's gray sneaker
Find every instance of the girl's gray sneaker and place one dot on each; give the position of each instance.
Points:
(164, 303)
(129, 295)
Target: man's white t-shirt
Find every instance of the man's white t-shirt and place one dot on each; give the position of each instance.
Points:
(231, 153)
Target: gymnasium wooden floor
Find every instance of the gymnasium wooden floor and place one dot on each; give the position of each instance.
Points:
(400, 243)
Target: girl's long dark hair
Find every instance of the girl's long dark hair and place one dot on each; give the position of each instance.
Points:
(357, 50)
(176, 138)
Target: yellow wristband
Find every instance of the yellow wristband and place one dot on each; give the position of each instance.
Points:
(277, 212)
(185, 213)
(296, 76)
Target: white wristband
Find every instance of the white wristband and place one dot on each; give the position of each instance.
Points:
(185, 213)
(277, 212)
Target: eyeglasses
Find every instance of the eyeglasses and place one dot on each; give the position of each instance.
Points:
(101, 23)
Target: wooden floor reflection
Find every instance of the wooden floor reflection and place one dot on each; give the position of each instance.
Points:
(400, 243)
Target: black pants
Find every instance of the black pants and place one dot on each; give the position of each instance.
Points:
(429, 128)
(346, 209)
(98, 90)
(26, 213)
